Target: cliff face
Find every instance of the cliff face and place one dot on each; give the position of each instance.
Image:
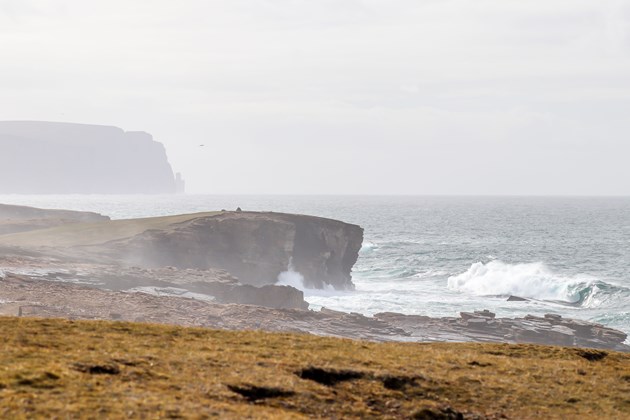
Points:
(255, 247)
(235, 257)
(63, 158)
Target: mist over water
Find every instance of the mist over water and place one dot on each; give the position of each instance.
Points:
(438, 256)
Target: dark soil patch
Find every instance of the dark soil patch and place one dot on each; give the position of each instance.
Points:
(398, 383)
(329, 377)
(444, 413)
(592, 355)
(47, 380)
(104, 369)
(480, 364)
(255, 393)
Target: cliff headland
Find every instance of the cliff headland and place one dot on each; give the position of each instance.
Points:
(66, 158)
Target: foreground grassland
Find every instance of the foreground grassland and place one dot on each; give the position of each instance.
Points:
(65, 369)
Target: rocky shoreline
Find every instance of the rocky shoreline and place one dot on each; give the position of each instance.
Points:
(33, 297)
(219, 270)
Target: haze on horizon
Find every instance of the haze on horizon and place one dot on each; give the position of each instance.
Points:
(340, 97)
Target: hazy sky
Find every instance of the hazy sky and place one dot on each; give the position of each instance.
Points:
(340, 96)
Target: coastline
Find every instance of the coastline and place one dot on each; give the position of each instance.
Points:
(94, 333)
(184, 256)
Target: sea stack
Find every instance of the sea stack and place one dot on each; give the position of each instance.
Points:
(64, 158)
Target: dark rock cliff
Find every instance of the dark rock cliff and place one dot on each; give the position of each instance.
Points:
(255, 247)
(63, 158)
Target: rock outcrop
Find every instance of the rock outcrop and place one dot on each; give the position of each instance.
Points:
(15, 219)
(45, 157)
(231, 257)
(551, 329)
(255, 247)
(211, 284)
(24, 296)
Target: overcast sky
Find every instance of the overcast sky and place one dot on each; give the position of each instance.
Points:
(340, 96)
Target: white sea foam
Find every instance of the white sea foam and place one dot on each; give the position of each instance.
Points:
(532, 280)
(368, 246)
(291, 278)
(430, 273)
(296, 279)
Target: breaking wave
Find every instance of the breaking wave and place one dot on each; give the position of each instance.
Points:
(291, 278)
(295, 279)
(368, 247)
(533, 281)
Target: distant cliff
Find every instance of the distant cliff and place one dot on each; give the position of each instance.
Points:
(63, 158)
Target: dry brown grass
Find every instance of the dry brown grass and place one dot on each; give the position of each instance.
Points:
(65, 369)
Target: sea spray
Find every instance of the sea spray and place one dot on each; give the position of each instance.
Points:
(368, 246)
(531, 280)
(294, 278)
(290, 277)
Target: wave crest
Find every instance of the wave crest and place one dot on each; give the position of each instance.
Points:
(531, 280)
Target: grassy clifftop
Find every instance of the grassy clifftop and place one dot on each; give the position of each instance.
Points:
(94, 233)
(57, 368)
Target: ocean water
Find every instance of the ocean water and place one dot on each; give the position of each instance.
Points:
(438, 256)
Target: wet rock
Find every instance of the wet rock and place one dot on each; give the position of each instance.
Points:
(483, 315)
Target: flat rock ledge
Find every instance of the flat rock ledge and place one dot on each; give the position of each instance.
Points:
(27, 296)
(210, 284)
(550, 329)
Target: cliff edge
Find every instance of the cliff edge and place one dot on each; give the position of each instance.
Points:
(64, 158)
(255, 247)
(233, 257)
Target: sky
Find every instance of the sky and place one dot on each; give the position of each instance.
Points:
(340, 96)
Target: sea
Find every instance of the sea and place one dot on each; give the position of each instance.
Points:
(440, 255)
